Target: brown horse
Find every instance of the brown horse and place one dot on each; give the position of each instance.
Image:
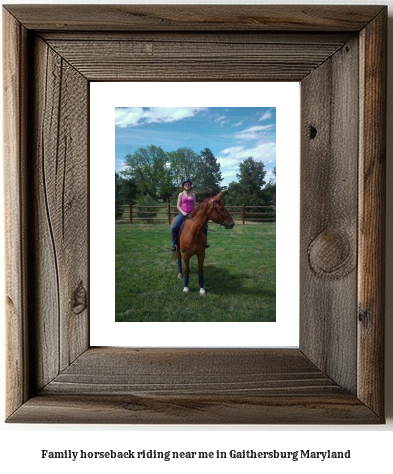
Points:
(193, 240)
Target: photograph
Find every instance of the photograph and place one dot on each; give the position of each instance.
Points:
(195, 214)
(179, 98)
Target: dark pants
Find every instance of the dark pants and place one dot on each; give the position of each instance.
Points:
(175, 228)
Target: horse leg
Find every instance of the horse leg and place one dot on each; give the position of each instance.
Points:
(179, 268)
(186, 259)
(178, 256)
(201, 259)
(186, 272)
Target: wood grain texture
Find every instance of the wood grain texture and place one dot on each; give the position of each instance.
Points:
(372, 198)
(194, 17)
(60, 218)
(336, 375)
(156, 409)
(193, 386)
(14, 149)
(186, 59)
(201, 37)
(57, 201)
(329, 173)
(190, 371)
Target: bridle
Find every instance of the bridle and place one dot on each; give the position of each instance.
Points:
(219, 215)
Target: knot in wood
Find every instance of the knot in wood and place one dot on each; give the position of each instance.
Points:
(80, 299)
(330, 254)
(363, 315)
(313, 132)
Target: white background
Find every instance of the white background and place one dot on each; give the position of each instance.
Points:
(104, 97)
(370, 446)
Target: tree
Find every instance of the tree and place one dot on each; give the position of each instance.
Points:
(249, 189)
(147, 207)
(183, 164)
(269, 191)
(125, 193)
(209, 175)
(234, 196)
(118, 210)
(252, 175)
(150, 169)
(158, 174)
(128, 190)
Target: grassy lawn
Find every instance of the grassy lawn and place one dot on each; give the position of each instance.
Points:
(239, 271)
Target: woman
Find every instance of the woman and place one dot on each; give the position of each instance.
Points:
(186, 202)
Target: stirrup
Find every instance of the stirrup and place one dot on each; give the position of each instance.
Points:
(174, 248)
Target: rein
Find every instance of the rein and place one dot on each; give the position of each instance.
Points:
(208, 214)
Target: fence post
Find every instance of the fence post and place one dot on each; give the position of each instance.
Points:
(244, 213)
(130, 213)
(169, 213)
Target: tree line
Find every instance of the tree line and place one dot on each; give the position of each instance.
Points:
(150, 174)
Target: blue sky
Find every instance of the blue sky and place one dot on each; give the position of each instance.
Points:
(232, 133)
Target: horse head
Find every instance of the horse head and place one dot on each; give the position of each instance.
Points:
(220, 214)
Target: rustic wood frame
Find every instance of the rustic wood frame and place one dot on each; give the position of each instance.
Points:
(338, 53)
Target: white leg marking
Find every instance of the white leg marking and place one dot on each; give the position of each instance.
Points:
(185, 289)
(202, 292)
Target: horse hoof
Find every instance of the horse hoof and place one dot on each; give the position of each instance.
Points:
(185, 290)
(202, 292)
(179, 275)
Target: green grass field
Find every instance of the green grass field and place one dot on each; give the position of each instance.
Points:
(239, 271)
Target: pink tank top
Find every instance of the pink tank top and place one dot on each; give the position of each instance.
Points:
(187, 204)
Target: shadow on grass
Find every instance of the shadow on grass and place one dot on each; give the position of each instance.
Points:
(220, 281)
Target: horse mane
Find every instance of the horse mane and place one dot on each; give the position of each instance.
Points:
(199, 207)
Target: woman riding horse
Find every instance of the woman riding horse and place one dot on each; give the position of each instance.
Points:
(192, 239)
(186, 202)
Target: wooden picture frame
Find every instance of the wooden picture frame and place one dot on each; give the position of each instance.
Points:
(338, 54)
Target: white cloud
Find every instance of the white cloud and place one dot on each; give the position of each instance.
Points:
(252, 133)
(222, 120)
(128, 116)
(120, 165)
(133, 116)
(229, 158)
(260, 152)
(266, 116)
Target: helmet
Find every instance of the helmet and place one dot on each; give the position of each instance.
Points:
(186, 180)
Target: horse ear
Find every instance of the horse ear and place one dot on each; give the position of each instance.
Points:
(218, 197)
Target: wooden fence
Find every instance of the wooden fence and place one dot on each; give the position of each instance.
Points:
(165, 213)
